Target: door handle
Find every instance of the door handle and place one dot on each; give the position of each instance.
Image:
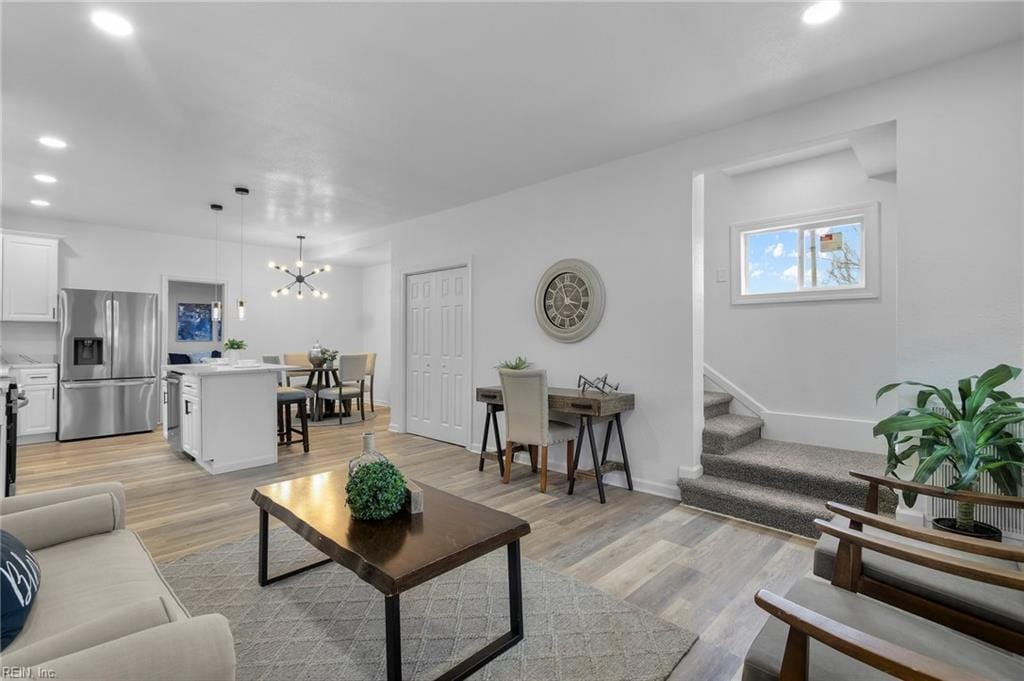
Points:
(187, 404)
(105, 384)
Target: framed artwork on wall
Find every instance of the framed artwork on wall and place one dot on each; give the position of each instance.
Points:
(194, 322)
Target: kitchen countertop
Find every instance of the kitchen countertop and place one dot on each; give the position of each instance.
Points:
(214, 370)
(30, 361)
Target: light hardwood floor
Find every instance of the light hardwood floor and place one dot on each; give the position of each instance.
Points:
(695, 569)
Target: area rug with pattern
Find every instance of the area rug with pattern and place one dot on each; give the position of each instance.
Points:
(328, 624)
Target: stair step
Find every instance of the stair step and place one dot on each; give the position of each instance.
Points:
(716, 404)
(789, 511)
(726, 433)
(818, 472)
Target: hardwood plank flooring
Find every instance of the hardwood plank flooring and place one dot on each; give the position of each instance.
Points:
(696, 569)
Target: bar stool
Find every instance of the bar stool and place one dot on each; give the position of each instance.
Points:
(286, 397)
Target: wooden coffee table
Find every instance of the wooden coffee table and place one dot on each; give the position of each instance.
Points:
(397, 554)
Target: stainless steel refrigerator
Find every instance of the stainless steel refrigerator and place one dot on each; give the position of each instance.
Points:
(108, 364)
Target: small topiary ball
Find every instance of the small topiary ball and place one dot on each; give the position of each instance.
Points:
(375, 491)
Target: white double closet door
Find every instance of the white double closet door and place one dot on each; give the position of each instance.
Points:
(437, 339)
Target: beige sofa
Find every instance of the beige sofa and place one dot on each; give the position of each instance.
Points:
(103, 610)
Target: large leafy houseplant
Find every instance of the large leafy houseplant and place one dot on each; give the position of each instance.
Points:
(972, 435)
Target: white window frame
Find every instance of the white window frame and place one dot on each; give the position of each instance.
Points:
(867, 214)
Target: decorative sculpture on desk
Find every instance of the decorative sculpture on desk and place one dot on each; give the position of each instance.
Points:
(600, 384)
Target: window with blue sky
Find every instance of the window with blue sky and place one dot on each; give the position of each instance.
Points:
(801, 258)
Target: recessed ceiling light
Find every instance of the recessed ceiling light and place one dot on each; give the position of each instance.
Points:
(820, 12)
(39, 202)
(52, 142)
(114, 24)
(44, 178)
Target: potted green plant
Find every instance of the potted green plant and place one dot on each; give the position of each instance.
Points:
(518, 364)
(971, 433)
(375, 490)
(233, 349)
(329, 357)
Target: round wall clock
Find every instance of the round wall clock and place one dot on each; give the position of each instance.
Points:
(569, 301)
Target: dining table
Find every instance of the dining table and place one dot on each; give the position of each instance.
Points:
(318, 379)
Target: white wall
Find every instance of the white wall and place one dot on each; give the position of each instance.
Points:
(818, 364)
(624, 218)
(959, 304)
(100, 257)
(376, 325)
(188, 292)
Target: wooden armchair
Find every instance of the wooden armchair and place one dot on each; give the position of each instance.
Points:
(830, 632)
(971, 585)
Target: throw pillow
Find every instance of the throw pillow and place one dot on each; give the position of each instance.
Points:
(19, 584)
(198, 357)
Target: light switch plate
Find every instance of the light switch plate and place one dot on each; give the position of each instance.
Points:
(721, 275)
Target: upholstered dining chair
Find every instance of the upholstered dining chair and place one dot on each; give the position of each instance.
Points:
(352, 377)
(300, 359)
(371, 369)
(525, 395)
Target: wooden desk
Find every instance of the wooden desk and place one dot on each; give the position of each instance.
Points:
(399, 553)
(587, 406)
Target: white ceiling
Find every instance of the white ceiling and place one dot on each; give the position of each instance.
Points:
(345, 118)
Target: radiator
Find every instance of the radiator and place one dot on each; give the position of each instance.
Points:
(1009, 520)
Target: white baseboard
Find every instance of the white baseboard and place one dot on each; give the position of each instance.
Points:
(691, 472)
(394, 428)
(36, 439)
(739, 395)
(823, 431)
(911, 516)
(556, 464)
(808, 429)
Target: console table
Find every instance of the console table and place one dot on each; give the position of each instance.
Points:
(587, 406)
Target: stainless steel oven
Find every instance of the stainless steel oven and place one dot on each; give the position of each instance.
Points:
(13, 401)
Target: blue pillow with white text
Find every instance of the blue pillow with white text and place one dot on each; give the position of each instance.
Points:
(19, 584)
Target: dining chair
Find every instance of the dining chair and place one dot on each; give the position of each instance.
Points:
(525, 395)
(296, 359)
(371, 368)
(352, 377)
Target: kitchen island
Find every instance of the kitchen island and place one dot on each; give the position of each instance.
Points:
(222, 416)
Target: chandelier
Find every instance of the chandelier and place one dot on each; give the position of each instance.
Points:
(299, 279)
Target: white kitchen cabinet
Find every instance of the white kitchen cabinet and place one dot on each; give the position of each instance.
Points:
(238, 406)
(37, 421)
(39, 416)
(191, 425)
(29, 278)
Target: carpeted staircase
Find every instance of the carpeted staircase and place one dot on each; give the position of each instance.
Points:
(778, 484)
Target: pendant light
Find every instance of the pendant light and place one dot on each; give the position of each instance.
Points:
(242, 193)
(299, 280)
(215, 305)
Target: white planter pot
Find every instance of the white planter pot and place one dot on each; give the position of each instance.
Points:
(233, 355)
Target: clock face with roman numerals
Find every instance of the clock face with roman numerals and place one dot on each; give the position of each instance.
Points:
(569, 301)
